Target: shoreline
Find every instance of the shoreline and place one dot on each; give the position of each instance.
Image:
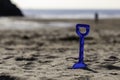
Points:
(24, 23)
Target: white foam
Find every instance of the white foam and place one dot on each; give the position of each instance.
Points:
(9, 23)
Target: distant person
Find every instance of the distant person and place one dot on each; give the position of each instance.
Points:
(9, 9)
(96, 18)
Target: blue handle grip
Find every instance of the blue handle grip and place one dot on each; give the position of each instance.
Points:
(87, 27)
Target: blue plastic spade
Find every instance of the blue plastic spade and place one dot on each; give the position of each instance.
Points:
(80, 63)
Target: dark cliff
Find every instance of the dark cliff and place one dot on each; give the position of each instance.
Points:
(9, 9)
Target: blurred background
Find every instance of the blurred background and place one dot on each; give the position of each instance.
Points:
(74, 9)
(55, 12)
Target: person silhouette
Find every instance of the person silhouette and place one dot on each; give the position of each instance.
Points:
(96, 17)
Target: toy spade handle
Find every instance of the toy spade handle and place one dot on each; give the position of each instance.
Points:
(87, 27)
(82, 35)
(81, 49)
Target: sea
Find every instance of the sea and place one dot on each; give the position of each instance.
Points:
(71, 14)
(53, 14)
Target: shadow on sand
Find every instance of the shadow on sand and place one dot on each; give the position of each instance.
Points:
(91, 70)
(88, 69)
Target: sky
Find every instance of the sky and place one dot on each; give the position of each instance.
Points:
(68, 4)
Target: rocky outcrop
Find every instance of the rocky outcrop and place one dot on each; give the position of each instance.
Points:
(9, 9)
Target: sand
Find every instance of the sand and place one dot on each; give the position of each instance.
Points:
(48, 53)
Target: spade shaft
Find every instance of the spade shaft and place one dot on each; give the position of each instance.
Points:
(81, 49)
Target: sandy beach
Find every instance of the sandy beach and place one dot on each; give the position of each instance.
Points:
(35, 49)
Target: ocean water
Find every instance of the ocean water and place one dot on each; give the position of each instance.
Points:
(53, 14)
(71, 14)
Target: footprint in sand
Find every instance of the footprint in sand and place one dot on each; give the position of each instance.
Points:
(8, 77)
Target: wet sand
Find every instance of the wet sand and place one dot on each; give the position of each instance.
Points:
(49, 53)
